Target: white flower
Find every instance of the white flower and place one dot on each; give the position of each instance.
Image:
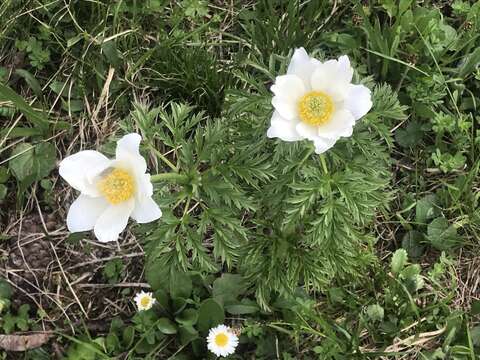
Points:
(222, 341)
(144, 301)
(111, 191)
(317, 101)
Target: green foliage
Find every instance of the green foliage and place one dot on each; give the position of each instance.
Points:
(399, 259)
(19, 320)
(36, 53)
(289, 248)
(30, 163)
(113, 270)
(303, 213)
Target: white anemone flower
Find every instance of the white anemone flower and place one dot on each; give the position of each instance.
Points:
(317, 101)
(222, 341)
(144, 300)
(111, 190)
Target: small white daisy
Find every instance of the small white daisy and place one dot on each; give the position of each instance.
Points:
(144, 301)
(222, 341)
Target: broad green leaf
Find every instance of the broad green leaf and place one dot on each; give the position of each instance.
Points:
(404, 5)
(399, 259)
(187, 317)
(31, 81)
(180, 285)
(128, 336)
(187, 334)
(210, 314)
(412, 242)
(178, 304)
(426, 209)
(441, 235)
(410, 136)
(471, 62)
(35, 117)
(30, 163)
(162, 299)
(112, 54)
(112, 342)
(246, 306)
(475, 335)
(228, 288)
(166, 326)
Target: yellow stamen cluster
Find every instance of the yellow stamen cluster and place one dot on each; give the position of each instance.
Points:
(315, 108)
(117, 186)
(145, 301)
(221, 340)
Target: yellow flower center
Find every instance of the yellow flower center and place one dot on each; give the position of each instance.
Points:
(118, 186)
(315, 108)
(221, 340)
(145, 301)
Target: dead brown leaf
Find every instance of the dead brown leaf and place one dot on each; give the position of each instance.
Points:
(23, 342)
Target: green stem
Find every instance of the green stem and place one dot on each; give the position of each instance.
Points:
(164, 159)
(174, 177)
(324, 163)
(307, 155)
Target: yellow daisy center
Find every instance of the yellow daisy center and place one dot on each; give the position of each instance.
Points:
(315, 108)
(145, 301)
(118, 186)
(221, 340)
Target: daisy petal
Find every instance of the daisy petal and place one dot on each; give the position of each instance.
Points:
(145, 210)
(283, 129)
(113, 221)
(84, 212)
(74, 170)
(358, 100)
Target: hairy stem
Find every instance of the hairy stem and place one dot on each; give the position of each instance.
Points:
(324, 163)
(173, 177)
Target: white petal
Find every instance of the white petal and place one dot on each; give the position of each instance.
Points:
(303, 66)
(345, 69)
(128, 152)
(323, 144)
(283, 129)
(307, 131)
(358, 100)
(288, 89)
(341, 124)
(84, 212)
(113, 221)
(78, 170)
(330, 79)
(129, 143)
(144, 185)
(146, 210)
